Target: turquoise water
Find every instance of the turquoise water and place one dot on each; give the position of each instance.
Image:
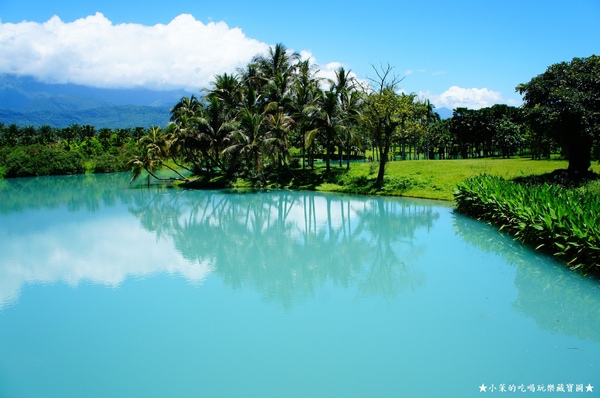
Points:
(113, 290)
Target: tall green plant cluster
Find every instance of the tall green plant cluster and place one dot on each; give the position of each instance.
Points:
(561, 221)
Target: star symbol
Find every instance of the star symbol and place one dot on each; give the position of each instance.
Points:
(589, 388)
(482, 388)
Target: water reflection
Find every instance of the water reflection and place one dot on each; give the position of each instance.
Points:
(77, 229)
(286, 245)
(557, 299)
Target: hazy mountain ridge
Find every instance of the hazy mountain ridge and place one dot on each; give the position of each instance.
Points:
(117, 116)
(25, 101)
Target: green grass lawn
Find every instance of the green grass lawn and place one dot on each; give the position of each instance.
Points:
(433, 179)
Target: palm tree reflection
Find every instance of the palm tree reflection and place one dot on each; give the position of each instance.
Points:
(288, 245)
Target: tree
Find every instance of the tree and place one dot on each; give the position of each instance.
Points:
(428, 118)
(247, 141)
(305, 94)
(507, 137)
(154, 151)
(275, 140)
(386, 113)
(275, 72)
(564, 102)
(345, 86)
(326, 115)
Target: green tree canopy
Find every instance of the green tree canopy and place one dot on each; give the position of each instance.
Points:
(564, 102)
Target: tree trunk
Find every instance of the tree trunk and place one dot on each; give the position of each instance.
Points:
(327, 154)
(580, 155)
(382, 162)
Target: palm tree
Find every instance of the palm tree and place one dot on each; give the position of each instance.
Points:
(345, 86)
(305, 93)
(227, 88)
(275, 141)
(182, 131)
(276, 71)
(429, 117)
(213, 130)
(247, 140)
(326, 114)
(154, 151)
(186, 107)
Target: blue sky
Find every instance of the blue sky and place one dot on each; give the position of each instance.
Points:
(457, 53)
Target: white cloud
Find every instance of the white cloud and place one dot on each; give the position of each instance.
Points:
(412, 71)
(185, 53)
(326, 72)
(473, 98)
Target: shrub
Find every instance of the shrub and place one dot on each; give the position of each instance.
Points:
(110, 163)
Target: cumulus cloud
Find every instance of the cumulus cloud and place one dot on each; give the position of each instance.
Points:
(473, 98)
(184, 53)
(326, 72)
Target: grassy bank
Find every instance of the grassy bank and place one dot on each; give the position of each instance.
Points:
(427, 179)
(430, 179)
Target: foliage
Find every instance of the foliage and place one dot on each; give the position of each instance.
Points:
(102, 151)
(561, 221)
(564, 103)
(39, 160)
(247, 124)
(386, 114)
(110, 163)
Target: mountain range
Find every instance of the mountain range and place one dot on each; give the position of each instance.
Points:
(25, 101)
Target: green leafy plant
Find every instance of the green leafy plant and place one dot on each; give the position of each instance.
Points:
(548, 217)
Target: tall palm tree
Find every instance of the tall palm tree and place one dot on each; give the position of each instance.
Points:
(429, 117)
(276, 72)
(345, 86)
(182, 130)
(246, 141)
(305, 93)
(213, 129)
(276, 141)
(228, 89)
(186, 107)
(326, 114)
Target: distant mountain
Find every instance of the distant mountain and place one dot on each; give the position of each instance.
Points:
(444, 113)
(116, 116)
(25, 101)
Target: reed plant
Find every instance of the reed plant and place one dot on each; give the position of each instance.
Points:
(549, 217)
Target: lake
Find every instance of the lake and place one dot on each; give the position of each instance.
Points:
(115, 290)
